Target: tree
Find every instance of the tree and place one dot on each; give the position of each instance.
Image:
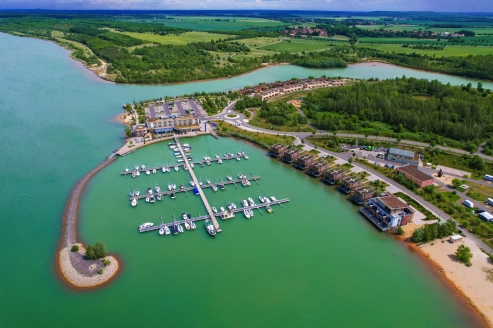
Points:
(400, 231)
(350, 160)
(128, 131)
(74, 248)
(91, 252)
(456, 183)
(477, 162)
(418, 235)
(100, 249)
(464, 255)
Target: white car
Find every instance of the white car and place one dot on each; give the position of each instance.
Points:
(468, 203)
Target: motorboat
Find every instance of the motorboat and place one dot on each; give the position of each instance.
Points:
(239, 153)
(157, 188)
(233, 205)
(146, 225)
(250, 201)
(184, 216)
(273, 198)
(126, 169)
(147, 199)
(217, 157)
(166, 230)
(161, 231)
(149, 191)
(137, 173)
(230, 178)
(175, 228)
(170, 187)
(230, 154)
(191, 165)
(214, 188)
(137, 168)
(221, 186)
(134, 174)
(268, 208)
(182, 186)
(152, 199)
(163, 169)
(176, 153)
(134, 202)
(168, 169)
(180, 228)
(251, 212)
(187, 145)
(154, 171)
(137, 193)
(208, 163)
(219, 161)
(237, 158)
(246, 212)
(192, 183)
(180, 160)
(222, 209)
(246, 156)
(261, 198)
(201, 164)
(192, 225)
(200, 182)
(159, 197)
(209, 227)
(143, 167)
(187, 225)
(132, 193)
(240, 176)
(214, 209)
(173, 186)
(244, 203)
(172, 195)
(185, 167)
(230, 207)
(148, 172)
(176, 168)
(178, 156)
(208, 181)
(266, 200)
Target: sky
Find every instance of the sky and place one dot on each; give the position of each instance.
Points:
(326, 5)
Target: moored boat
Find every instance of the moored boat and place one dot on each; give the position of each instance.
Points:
(134, 202)
(161, 231)
(209, 227)
(214, 187)
(214, 209)
(166, 230)
(246, 212)
(268, 208)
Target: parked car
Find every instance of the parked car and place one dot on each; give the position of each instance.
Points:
(468, 203)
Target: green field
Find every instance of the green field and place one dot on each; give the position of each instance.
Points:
(477, 30)
(258, 42)
(297, 46)
(180, 39)
(448, 51)
(225, 23)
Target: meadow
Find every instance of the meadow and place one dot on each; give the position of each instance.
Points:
(413, 27)
(180, 39)
(293, 46)
(446, 52)
(220, 23)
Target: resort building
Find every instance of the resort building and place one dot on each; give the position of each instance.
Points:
(291, 88)
(350, 183)
(277, 150)
(363, 194)
(333, 174)
(267, 94)
(139, 130)
(291, 155)
(412, 172)
(402, 156)
(304, 161)
(317, 168)
(387, 212)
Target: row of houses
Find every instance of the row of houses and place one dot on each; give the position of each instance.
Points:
(307, 85)
(385, 211)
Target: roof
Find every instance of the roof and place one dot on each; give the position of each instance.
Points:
(486, 216)
(152, 111)
(401, 153)
(392, 202)
(456, 237)
(414, 171)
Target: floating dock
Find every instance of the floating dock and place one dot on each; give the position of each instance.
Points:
(216, 215)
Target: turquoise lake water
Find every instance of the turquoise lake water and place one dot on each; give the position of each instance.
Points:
(313, 262)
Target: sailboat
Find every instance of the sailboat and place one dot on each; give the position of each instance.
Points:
(132, 193)
(157, 188)
(134, 202)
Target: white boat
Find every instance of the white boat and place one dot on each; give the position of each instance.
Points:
(137, 193)
(251, 212)
(176, 168)
(166, 230)
(137, 173)
(222, 209)
(230, 154)
(172, 195)
(229, 177)
(154, 171)
(214, 209)
(173, 186)
(214, 188)
(170, 187)
(273, 198)
(217, 156)
(168, 169)
(261, 198)
(201, 164)
(208, 163)
(237, 158)
(230, 207)
(134, 174)
(185, 167)
(159, 197)
(266, 200)
(209, 227)
(157, 188)
(149, 191)
(146, 225)
(126, 169)
(219, 161)
(191, 165)
(134, 202)
(182, 186)
(192, 225)
(192, 183)
(187, 225)
(244, 203)
(250, 200)
(184, 216)
(200, 182)
(136, 168)
(187, 145)
(178, 156)
(161, 231)
(180, 228)
(208, 181)
(148, 172)
(268, 208)
(152, 199)
(163, 169)
(132, 193)
(246, 212)
(246, 156)
(233, 205)
(143, 167)
(147, 199)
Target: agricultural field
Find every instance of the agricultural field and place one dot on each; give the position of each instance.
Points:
(298, 46)
(180, 39)
(477, 30)
(446, 52)
(259, 42)
(224, 23)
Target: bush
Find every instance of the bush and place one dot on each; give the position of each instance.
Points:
(96, 252)
(400, 231)
(106, 262)
(418, 235)
(74, 248)
(464, 254)
(100, 271)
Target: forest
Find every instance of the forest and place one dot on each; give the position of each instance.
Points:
(406, 104)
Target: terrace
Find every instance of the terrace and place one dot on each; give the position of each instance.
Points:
(334, 174)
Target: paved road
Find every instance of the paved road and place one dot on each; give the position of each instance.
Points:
(346, 155)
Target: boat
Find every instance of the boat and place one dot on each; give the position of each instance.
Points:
(221, 186)
(246, 212)
(261, 198)
(166, 230)
(187, 145)
(246, 156)
(154, 171)
(268, 208)
(161, 231)
(137, 173)
(237, 158)
(214, 209)
(230, 178)
(230, 154)
(134, 174)
(163, 169)
(244, 203)
(200, 182)
(192, 225)
(192, 183)
(143, 167)
(214, 187)
(250, 200)
(208, 181)
(132, 193)
(170, 187)
(149, 191)
(273, 198)
(146, 225)
(180, 160)
(251, 212)
(180, 228)
(176, 153)
(185, 167)
(176, 168)
(126, 169)
(175, 228)
(147, 199)
(168, 169)
(184, 216)
(136, 168)
(219, 161)
(191, 165)
(217, 157)
(157, 188)
(201, 164)
(137, 193)
(209, 227)
(233, 205)
(152, 199)
(172, 195)
(230, 207)
(208, 163)
(178, 156)
(134, 202)
(159, 197)
(267, 200)
(222, 209)
(187, 225)
(148, 172)
(182, 186)
(196, 191)
(239, 153)
(173, 186)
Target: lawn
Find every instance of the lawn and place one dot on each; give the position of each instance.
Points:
(262, 139)
(448, 51)
(298, 46)
(258, 42)
(181, 39)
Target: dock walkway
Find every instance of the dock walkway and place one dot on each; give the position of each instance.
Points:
(216, 215)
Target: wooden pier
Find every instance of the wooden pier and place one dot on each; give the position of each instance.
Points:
(167, 192)
(216, 215)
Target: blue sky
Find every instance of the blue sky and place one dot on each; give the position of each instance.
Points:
(349, 5)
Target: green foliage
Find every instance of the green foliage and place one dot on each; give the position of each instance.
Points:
(96, 252)
(106, 262)
(418, 235)
(100, 271)
(128, 131)
(456, 183)
(464, 254)
(477, 162)
(433, 231)
(74, 248)
(400, 231)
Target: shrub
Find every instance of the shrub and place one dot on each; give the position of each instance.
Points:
(464, 254)
(100, 271)
(400, 231)
(74, 248)
(106, 262)
(418, 235)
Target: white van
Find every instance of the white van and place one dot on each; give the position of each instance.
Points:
(468, 203)
(489, 201)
